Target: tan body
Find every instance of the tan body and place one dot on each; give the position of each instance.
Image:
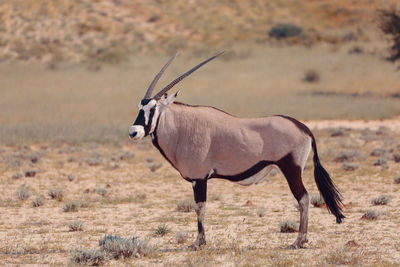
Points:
(223, 143)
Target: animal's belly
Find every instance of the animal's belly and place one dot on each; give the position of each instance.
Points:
(257, 177)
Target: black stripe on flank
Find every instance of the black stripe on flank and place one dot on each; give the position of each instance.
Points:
(244, 175)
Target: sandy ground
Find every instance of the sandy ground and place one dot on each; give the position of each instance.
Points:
(138, 200)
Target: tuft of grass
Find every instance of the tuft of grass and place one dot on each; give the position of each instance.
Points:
(311, 76)
(38, 201)
(155, 166)
(117, 247)
(288, 227)
(72, 206)
(71, 177)
(381, 200)
(162, 230)
(57, 194)
(185, 205)
(261, 212)
(75, 226)
(317, 200)
(371, 215)
(23, 192)
(343, 257)
(181, 237)
(89, 257)
(30, 173)
(101, 191)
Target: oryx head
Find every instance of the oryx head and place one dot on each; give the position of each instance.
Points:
(150, 108)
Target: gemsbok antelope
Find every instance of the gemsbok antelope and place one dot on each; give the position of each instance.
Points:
(203, 142)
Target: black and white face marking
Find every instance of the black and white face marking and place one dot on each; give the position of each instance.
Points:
(146, 120)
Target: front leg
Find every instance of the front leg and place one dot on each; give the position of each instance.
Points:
(200, 197)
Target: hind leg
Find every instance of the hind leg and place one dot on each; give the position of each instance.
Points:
(292, 173)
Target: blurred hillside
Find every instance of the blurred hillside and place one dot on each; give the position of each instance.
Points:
(108, 30)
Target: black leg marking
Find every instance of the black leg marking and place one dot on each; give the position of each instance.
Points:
(200, 197)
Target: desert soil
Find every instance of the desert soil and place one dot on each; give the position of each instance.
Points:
(139, 197)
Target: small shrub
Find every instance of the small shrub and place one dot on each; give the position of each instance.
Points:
(381, 200)
(390, 25)
(72, 206)
(89, 257)
(101, 191)
(57, 194)
(71, 177)
(370, 215)
(38, 201)
(181, 237)
(185, 205)
(118, 247)
(337, 132)
(311, 76)
(396, 180)
(155, 166)
(127, 155)
(288, 227)
(162, 230)
(261, 212)
(17, 176)
(30, 173)
(377, 152)
(75, 226)
(348, 166)
(396, 157)
(348, 155)
(317, 200)
(23, 192)
(286, 30)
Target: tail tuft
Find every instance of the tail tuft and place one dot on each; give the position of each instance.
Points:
(328, 190)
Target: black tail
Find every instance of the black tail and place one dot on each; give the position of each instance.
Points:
(328, 190)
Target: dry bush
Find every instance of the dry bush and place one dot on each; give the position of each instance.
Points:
(377, 152)
(371, 215)
(261, 212)
(396, 180)
(185, 205)
(162, 230)
(311, 76)
(101, 191)
(155, 166)
(348, 155)
(381, 200)
(390, 25)
(57, 194)
(89, 257)
(38, 201)
(181, 237)
(72, 206)
(30, 173)
(317, 200)
(118, 247)
(285, 30)
(75, 226)
(349, 166)
(23, 192)
(288, 227)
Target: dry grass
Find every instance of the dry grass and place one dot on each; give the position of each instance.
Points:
(140, 201)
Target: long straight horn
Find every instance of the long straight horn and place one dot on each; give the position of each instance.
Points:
(180, 78)
(154, 82)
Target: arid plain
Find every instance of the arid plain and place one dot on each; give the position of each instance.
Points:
(75, 190)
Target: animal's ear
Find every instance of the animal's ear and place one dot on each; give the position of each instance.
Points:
(166, 100)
